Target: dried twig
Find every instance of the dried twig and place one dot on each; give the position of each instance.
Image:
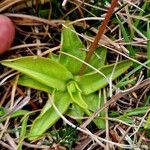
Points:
(114, 98)
(101, 31)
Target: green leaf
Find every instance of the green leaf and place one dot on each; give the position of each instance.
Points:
(100, 121)
(98, 58)
(26, 81)
(140, 111)
(76, 112)
(71, 43)
(19, 113)
(24, 126)
(22, 132)
(45, 120)
(75, 94)
(2, 111)
(94, 81)
(94, 102)
(15, 114)
(43, 70)
(126, 38)
(136, 111)
(141, 13)
(148, 46)
(54, 57)
(126, 119)
(147, 124)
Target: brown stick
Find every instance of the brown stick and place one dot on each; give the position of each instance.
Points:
(98, 36)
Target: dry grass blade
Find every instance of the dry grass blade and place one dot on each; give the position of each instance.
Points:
(28, 19)
(8, 3)
(116, 97)
(117, 116)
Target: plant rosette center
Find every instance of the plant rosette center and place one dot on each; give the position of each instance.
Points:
(76, 94)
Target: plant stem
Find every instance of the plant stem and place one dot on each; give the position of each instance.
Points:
(98, 36)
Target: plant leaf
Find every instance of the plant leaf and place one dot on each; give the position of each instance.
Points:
(75, 94)
(126, 38)
(43, 70)
(147, 124)
(126, 119)
(148, 46)
(26, 81)
(71, 43)
(15, 114)
(98, 59)
(136, 111)
(54, 57)
(2, 111)
(92, 82)
(127, 114)
(22, 132)
(75, 111)
(94, 101)
(45, 120)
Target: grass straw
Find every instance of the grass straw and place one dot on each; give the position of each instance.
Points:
(126, 38)
(148, 46)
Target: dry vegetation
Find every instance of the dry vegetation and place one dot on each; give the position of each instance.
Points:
(126, 100)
